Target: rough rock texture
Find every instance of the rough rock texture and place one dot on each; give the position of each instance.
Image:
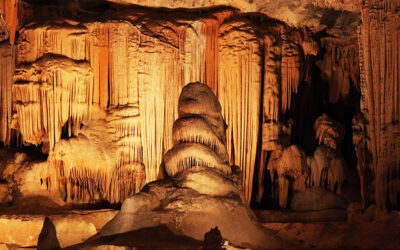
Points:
(340, 66)
(313, 13)
(201, 195)
(328, 169)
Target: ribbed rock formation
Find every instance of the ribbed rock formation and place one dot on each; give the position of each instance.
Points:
(199, 133)
(292, 171)
(81, 64)
(7, 61)
(201, 191)
(380, 100)
(220, 47)
(9, 13)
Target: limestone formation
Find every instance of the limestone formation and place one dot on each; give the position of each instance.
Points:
(292, 171)
(7, 60)
(198, 195)
(72, 70)
(48, 236)
(9, 13)
(96, 109)
(328, 132)
(363, 155)
(380, 104)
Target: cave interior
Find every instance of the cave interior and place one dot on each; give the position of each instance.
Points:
(200, 124)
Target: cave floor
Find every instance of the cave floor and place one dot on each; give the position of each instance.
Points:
(21, 230)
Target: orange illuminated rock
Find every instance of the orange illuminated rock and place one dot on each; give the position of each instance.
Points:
(198, 196)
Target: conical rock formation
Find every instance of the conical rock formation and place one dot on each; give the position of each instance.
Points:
(202, 190)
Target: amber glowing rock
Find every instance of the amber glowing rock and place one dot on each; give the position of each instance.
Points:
(201, 194)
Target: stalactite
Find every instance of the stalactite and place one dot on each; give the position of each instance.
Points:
(123, 64)
(340, 66)
(139, 62)
(239, 88)
(290, 71)
(7, 64)
(271, 81)
(99, 60)
(291, 171)
(9, 8)
(328, 131)
(47, 94)
(60, 38)
(210, 31)
(380, 67)
(154, 77)
(110, 166)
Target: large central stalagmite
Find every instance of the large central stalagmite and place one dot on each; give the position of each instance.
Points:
(201, 190)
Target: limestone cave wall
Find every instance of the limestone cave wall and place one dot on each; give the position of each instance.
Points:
(96, 85)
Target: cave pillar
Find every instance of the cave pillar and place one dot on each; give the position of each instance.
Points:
(379, 38)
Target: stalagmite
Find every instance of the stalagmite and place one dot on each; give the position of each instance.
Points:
(290, 169)
(195, 192)
(360, 143)
(196, 139)
(327, 165)
(327, 169)
(185, 129)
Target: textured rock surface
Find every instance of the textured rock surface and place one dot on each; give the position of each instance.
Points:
(304, 12)
(121, 78)
(379, 46)
(255, 64)
(190, 207)
(7, 60)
